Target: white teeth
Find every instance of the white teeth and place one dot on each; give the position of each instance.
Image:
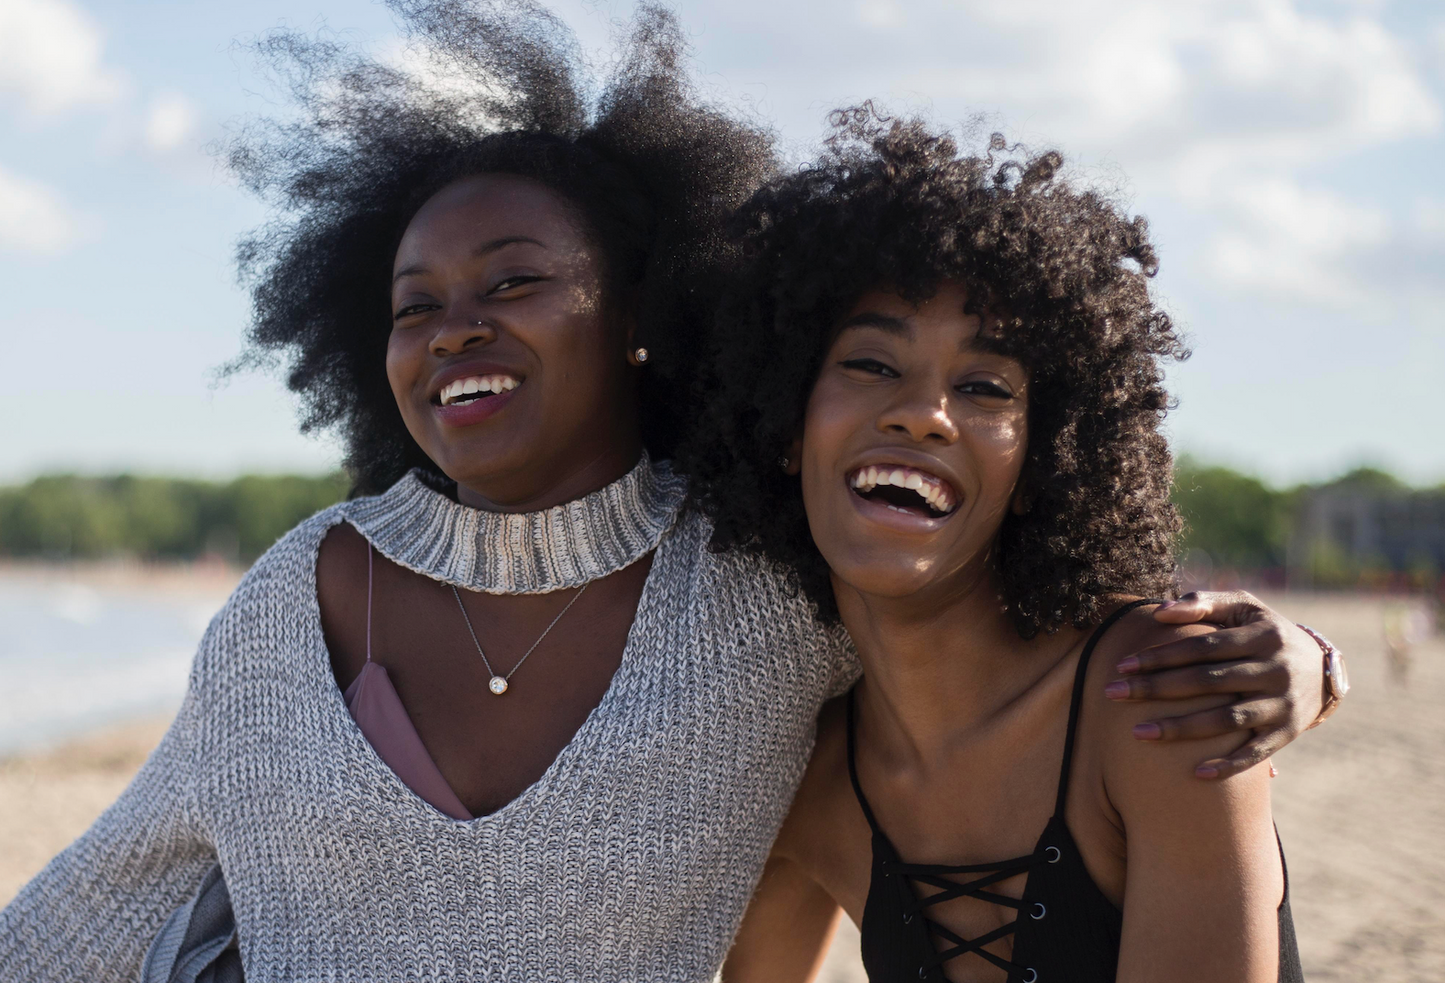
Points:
(477, 384)
(930, 488)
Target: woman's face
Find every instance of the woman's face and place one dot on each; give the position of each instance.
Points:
(913, 442)
(507, 365)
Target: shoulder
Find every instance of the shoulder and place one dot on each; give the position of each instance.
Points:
(1137, 771)
(265, 605)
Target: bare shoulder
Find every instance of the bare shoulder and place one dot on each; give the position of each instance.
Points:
(1132, 764)
(341, 596)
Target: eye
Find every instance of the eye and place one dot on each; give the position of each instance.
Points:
(871, 366)
(513, 281)
(412, 309)
(982, 387)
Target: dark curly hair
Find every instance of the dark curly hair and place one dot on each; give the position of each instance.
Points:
(650, 171)
(895, 204)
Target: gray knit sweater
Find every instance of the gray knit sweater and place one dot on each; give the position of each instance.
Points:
(632, 858)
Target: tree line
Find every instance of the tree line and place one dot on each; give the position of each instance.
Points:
(1236, 519)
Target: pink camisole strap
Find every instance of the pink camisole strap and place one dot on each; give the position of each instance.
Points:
(383, 721)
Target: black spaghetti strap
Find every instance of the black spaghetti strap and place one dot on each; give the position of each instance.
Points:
(1078, 697)
(853, 771)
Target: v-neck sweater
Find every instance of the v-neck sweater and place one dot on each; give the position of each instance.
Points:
(631, 859)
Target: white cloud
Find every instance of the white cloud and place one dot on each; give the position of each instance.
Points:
(880, 13)
(51, 57)
(169, 122)
(1429, 218)
(34, 219)
(1287, 240)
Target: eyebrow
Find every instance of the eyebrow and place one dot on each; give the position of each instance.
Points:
(990, 343)
(482, 250)
(872, 319)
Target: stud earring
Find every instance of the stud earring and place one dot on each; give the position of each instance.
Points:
(783, 462)
(640, 355)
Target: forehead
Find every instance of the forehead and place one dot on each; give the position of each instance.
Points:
(487, 206)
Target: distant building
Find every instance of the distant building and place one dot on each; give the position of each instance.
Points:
(1363, 528)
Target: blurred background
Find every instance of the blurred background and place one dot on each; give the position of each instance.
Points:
(1281, 148)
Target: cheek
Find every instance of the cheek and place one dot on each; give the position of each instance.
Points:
(1002, 443)
(405, 361)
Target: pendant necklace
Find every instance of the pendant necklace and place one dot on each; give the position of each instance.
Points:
(498, 684)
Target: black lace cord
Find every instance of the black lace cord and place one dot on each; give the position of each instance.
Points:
(932, 875)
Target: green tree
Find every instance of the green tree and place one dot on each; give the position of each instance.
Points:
(1235, 518)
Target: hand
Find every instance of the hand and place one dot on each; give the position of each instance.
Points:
(1273, 667)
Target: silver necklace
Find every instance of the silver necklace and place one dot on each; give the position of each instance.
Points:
(498, 684)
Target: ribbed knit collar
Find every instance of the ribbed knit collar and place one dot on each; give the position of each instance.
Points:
(521, 552)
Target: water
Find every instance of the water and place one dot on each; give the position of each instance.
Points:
(77, 655)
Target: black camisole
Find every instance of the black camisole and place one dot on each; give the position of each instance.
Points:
(1066, 930)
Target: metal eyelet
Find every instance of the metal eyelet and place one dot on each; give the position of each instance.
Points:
(1040, 911)
(1053, 855)
(1033, 977)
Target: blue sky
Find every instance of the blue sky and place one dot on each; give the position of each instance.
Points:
(1286, 152)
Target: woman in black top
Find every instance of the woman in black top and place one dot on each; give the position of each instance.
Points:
(977, 449)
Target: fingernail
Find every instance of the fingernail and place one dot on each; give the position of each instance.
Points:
(1207, 771)
(1117, 690)
(1128, 664)
(1147, 732)
(1166, 604)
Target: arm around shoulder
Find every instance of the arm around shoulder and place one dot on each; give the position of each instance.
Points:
(1204, 877)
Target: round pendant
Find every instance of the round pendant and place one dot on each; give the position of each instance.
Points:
(498, 685)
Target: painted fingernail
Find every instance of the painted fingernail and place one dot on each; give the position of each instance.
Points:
(1117, 690)
(1207, 771)
(1128, 664)
(1147, 732)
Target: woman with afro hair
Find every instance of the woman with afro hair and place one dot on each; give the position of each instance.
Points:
(937, 400)
(503, 714)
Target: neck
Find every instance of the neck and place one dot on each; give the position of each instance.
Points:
(940, 666)
(574, 476)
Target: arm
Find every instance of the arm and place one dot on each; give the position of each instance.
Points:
(94, 909)
(1271, 671)
(1203, 876)
(787, 928)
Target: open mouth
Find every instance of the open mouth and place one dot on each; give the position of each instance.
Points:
(475, 387)
(904, 489)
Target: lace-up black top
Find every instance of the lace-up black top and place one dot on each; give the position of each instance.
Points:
(1066, 931)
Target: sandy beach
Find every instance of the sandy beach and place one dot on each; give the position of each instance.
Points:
(1360, 804)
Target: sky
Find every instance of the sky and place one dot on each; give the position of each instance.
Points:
(1287, 154)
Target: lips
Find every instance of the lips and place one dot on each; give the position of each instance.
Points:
(904, 489)
(468, 393)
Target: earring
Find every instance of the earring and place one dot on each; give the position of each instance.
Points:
(783, 462)
(640, 355)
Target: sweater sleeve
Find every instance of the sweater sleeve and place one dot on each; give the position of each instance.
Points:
(94, 910)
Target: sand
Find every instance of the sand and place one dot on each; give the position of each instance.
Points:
(1360, 803)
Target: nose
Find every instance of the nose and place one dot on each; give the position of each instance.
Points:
(460, 331)
(922, 413)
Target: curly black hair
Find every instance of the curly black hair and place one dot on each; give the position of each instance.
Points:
(896, 205)
(651, 172)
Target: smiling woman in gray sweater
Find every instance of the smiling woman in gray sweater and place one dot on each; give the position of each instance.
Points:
(623, 713)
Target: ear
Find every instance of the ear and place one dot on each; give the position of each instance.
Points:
(792, 459)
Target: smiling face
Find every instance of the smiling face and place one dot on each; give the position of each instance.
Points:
(914, 438)
(508, 366)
